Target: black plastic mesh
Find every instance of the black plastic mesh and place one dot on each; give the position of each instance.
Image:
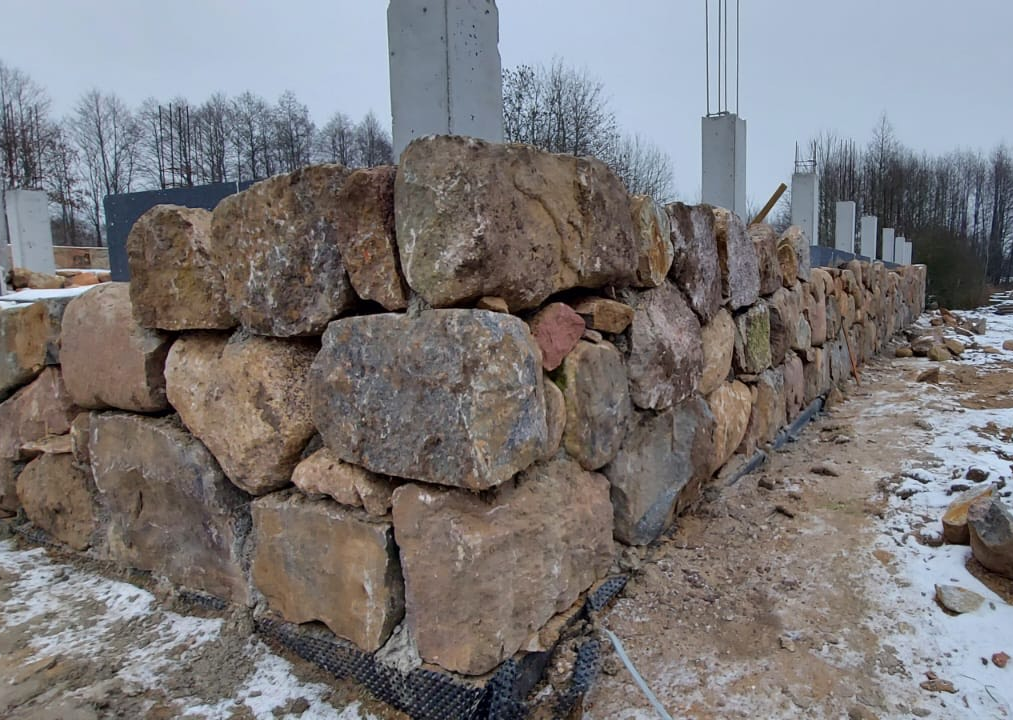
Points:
(585, 670)
(203, 600)
(602, 596)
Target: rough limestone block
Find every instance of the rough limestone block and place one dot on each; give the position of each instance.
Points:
(452, 397)
(764, 239)
(513, 560)
(171, 509)
(731, 405)
(555, 418)
(174, 283)
(752, 340)
(666, 354)
(109, 360)
(660, 456)
(718, 342)
(58, 497)
(556, 328)
(800, 244)
(696, 268)
(794, 386)
(324, 473)
(954, 520)
(598, 406)
(29, 341)
(40, 409)
(365, 237)
(769, 409)
(653, 232)
(315, 561)
(740, 267)
(275, 244)
(785, 309)
(246, 398)
(604, 315)
(475, 218)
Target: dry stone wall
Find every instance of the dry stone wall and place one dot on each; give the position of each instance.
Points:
(428, 397)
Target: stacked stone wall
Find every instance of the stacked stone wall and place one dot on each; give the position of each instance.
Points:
(429, 397)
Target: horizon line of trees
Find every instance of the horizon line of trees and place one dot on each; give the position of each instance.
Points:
(957, 207)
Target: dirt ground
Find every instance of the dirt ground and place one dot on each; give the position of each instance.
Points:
(799, 591)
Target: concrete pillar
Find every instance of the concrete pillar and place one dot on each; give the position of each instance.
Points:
(844, 230)
(445, 72)
(870, 226)
(4, 247)
(899, 249)
(909, 252)
(31, 236)
(805, 204)
(886, 255)
(724, 162)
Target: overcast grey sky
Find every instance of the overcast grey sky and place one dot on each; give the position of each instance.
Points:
(940, 70)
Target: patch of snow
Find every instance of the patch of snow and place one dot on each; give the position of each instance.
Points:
(30, 296)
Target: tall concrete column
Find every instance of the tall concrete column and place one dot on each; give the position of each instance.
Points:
(805, 204)
(886, 254)
(31, 236)
(870, 226)
(724, 162)
(4, 248)
(909, 252)
(445, 72)
(899, 249)
(844, 229)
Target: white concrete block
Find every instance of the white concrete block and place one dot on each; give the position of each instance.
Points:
(445, 69)
(888, 245)
(724, 162)
(899, 250)
(870, 226)
(805, 208)
(844, 229)
(31, 236)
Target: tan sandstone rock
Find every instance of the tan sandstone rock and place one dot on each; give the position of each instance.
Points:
(58, 497)
(652, 230)
(29, 341)
(246, 398)
(476, 218)
(740, 266)
(174, 283)
(731, 405)
(598, 406)
(314, 560)
(476, 594)
(109, 360)
(607, 316)
(718, 342)
(324, 473)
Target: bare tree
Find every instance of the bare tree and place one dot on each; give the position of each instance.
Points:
(108, 140)
(372, 143)
(26, 132)
(251, 126)
(293, 133)
(643, 167)
(335, 142)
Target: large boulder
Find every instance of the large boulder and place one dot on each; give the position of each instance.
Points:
(174, 283)
(740, 266)
(799, 242)
(59, 497)
(731, 405)
(666, 355)
(365, 237)
(696, 269)
(598, 406)
(246, 398)
(452, 397)
(652, 230)
(661, 454)
(991, 531)
(767, 416)
(275, 244)
(515, 558)
(29, 341)
(794, 386)
(42, 408)
(109, 360)
(316, 561)
(752, 340)
(170, 508)
(785, 308)
(324, 473)
(476, 218)
(718, 342)
(764, 239)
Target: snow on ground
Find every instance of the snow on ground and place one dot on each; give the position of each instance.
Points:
(958, 648)
(78, 614)
(30, 296)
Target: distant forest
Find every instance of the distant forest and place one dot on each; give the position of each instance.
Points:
(957, 208)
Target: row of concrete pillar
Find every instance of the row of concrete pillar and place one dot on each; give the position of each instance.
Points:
(894, 248)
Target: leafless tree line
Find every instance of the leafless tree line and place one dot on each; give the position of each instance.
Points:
(963, 196)
(565, 110)
(104, 147)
